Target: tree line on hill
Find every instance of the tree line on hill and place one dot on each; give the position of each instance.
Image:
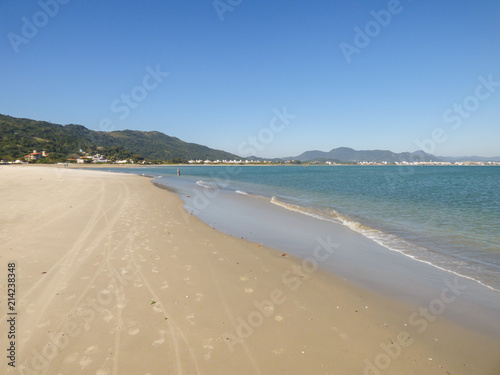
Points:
(19, 137)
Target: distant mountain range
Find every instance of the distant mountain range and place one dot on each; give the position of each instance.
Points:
(346, 154)
(19, 137)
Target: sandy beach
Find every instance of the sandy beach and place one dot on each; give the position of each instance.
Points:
(112, 276)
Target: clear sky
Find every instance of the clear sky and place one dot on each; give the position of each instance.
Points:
(295, 75)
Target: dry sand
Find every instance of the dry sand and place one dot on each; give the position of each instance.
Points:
(114, 277)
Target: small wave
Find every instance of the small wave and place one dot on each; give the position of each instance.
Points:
(415, 252)
(207, 185)
(252, 195)
(387, 240)
(333, 217)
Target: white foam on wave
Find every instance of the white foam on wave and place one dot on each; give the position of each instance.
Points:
(252, 195)
(387, 240)
(303, 210)
(207, 184)
(405, 248)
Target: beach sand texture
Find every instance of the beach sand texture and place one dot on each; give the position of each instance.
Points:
(114, 277)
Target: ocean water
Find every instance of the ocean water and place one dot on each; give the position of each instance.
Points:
(448, 217)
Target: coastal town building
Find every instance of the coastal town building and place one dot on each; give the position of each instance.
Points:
(97, 158)
(36, 155)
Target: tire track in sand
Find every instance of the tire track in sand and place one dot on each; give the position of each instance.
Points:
(171, 321)
(59, 273)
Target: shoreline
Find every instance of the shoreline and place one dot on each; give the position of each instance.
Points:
(361, 259)
(228, 219)
(188, 298)
(476, 301)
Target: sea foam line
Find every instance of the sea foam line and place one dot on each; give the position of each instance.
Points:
(389, 241)
(207, 185)
(302, 210)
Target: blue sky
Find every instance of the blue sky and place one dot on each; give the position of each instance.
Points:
(416, 74)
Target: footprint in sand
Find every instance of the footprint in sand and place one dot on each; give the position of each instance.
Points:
(107, 315)
(187, 267)
(243, 278)
(249, 290)
(90, 350)
(164, 286)
(190, 319)
(161, 340)
(71, 358)
(199, 296)
(209, 348)
(124, 271)
(43, 324)
(84, 362)
(155, 270)
(132, 329)
(278, 318)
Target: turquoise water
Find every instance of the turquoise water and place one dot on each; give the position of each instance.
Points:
(446, 216)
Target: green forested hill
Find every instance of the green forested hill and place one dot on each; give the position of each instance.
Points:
(18, 137)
